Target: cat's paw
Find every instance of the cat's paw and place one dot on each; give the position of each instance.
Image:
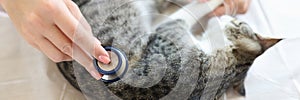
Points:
(242, 37)
(237, 29)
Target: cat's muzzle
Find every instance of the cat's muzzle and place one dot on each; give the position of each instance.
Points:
(116, 69)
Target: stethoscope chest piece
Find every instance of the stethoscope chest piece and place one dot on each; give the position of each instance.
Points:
(116, 69)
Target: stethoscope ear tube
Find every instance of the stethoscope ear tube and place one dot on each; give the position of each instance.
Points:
(116, 69)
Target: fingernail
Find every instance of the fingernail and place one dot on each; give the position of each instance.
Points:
(96, 75)
(104, 59)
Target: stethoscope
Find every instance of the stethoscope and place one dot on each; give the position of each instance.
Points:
(116, 69)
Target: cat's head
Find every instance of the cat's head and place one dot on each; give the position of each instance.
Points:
(245, 41)
(246, 47)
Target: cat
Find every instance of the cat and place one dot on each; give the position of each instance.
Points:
(165, 62)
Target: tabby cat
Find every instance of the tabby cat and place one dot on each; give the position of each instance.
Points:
(165, 61)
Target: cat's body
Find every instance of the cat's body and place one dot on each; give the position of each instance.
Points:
(164, 62)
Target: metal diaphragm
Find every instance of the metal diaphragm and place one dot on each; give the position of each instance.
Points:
(116, 69)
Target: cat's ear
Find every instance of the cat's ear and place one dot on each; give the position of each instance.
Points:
(266, 42)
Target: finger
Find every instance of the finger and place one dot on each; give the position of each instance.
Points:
(231, 7)
(33, 35)
(86, 61)
(29, 32)
(82, 37)
(73, 8)
(59, 40)
(218, 12)
(64, 44)
(51, 51)
(243, 6)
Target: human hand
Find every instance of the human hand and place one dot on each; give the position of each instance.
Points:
(230, 7)
(58, 29)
